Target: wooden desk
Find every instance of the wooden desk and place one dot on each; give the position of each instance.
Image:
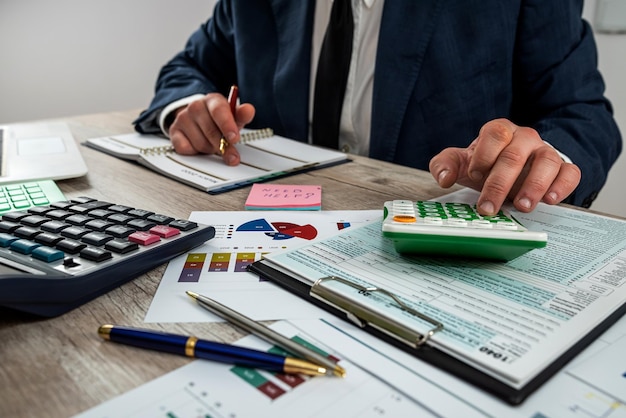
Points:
(59, 367)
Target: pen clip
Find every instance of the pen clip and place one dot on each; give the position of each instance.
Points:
(375, 307)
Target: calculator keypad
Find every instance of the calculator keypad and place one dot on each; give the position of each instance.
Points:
(92, 230)
(458, 215)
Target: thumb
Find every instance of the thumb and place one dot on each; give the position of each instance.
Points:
(446, 166)
(244, 114)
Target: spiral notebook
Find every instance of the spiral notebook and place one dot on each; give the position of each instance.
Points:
(264, 156)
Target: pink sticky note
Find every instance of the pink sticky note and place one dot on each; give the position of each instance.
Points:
(264, 196)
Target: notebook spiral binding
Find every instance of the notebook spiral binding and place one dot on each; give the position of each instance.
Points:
(248, 136)
(253, 135)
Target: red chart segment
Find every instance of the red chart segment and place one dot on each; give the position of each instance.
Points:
(307, 232)
(279, 230)
(343, 225)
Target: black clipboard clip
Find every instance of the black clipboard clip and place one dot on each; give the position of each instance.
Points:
(362, 311)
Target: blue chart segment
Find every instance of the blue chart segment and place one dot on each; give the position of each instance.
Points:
(257, 225)
(279, 230)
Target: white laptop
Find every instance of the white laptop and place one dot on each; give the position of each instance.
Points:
(38, 151)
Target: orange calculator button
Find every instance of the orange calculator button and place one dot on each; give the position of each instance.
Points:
(404, 218)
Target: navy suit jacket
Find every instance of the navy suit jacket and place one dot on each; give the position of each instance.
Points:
(443, 69)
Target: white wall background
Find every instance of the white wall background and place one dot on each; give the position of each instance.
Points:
(69, 57)
(612, 64)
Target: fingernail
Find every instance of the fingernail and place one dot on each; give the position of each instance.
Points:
(231, 136)
(487, 207)
(525, 203)
(553, 196)
(476, 175)
(442, 176)
(232, 159)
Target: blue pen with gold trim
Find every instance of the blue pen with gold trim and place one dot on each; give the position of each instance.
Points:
(208, 350)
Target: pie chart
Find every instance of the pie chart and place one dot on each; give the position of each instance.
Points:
(279, 230)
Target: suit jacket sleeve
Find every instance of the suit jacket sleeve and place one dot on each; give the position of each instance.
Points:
(263, 47)
(463, 63)
(560, 92)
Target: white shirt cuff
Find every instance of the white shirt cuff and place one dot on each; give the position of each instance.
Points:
(172, 107)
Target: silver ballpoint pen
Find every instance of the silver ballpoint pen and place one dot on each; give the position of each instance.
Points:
(267, 334)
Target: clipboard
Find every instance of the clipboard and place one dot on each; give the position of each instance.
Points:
(412, 341)
(359, 310)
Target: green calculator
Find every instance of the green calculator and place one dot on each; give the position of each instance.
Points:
(456, 229)
(25, 195)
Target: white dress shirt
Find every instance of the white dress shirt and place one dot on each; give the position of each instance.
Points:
(354, 131)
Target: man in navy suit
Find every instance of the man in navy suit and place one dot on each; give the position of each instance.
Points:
(503, 96)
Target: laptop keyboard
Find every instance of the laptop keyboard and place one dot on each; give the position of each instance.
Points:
(56, 257)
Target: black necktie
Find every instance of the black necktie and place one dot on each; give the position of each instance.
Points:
(332, 75)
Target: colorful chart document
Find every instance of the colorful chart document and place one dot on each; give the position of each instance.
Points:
(218, 268)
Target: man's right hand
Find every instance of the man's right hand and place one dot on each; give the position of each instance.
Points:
(199, 127)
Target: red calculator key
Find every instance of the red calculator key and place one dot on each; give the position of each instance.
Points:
(164, 231)
(143, 238)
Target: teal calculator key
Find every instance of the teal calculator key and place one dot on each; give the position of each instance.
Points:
(7, 239)
(24, 246)
(47, 254)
